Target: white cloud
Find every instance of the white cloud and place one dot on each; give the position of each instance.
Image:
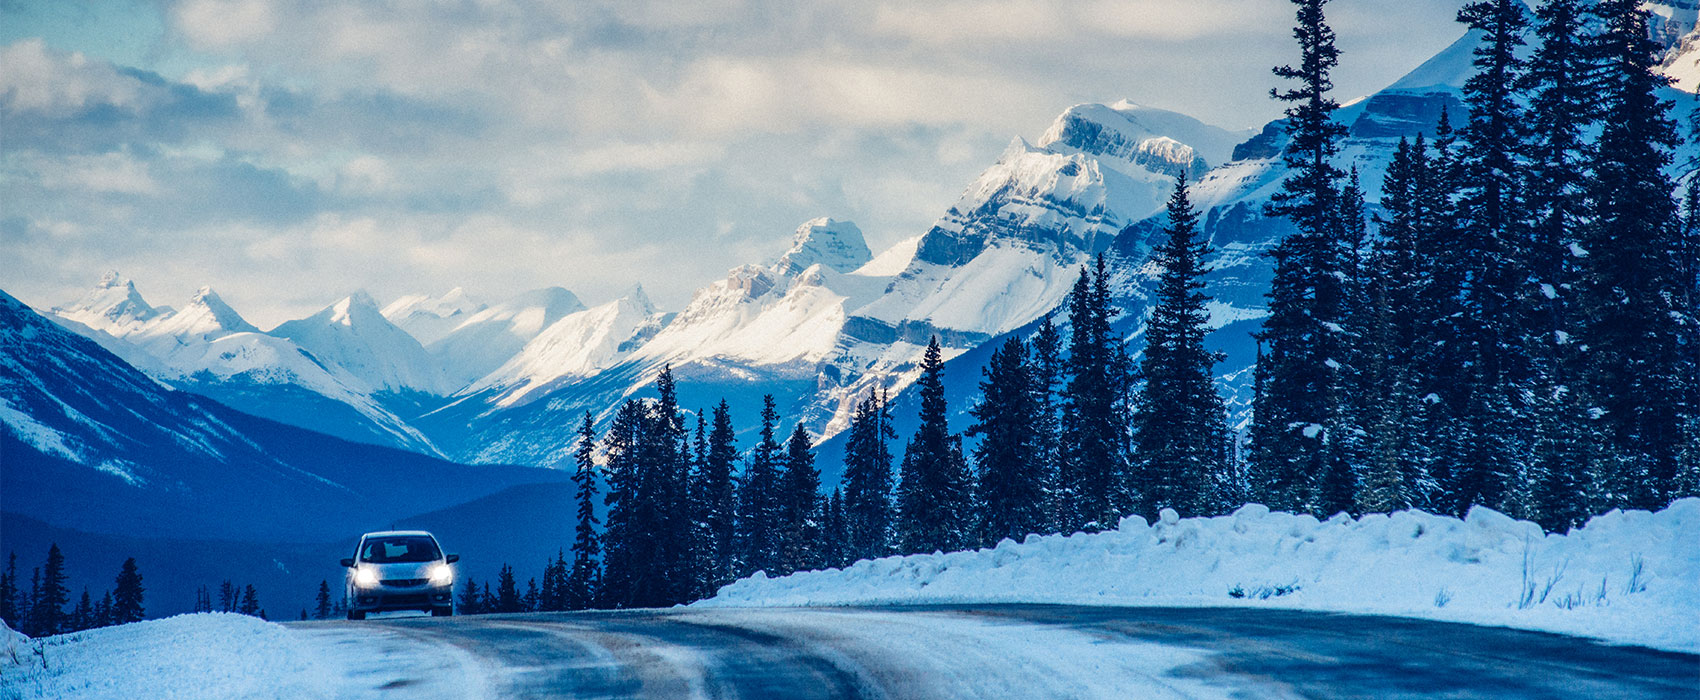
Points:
(34, 79)
(214, 24)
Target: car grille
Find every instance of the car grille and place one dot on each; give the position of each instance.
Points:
(404, 582)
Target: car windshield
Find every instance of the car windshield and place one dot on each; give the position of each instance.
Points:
(399, 549)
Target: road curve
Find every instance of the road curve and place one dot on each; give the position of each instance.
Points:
(1001, 651)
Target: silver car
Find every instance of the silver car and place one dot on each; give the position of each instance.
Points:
(400, 570)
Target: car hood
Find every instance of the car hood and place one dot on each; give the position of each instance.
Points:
(407, 570)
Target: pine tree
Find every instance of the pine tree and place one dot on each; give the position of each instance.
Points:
(718, 510)
(203, 600)
(82, 616)
(469, 604)
(1011, 496)
(322, 602)
(530, 601)
(507, 591)
(127, 594)
(1388, 409)
(581, 586)
(759, 498)
(51, 597)
(9, 592)
(103, 610)
(31, 626)
(800, 507)
(1047, 370)
(623, 539)
(934, 494)
(487, 600)
(1303, 339)
(868, 511)
(1485, 365)
(1561, 110)
(250, 602)
(1093, 476)
(667, 466)
(1630, 282)
(228, 596)
(835, 536)
(1338, 485)
(1180, 434)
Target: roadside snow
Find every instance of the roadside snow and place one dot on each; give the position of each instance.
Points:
(223, 655)
(1627, 576)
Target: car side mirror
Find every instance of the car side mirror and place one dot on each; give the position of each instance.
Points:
(452, 558)
(347, 563)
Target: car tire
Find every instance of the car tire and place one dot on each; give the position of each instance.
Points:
(442, 612)
(357, 614)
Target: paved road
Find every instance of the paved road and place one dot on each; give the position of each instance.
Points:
(1014, 651)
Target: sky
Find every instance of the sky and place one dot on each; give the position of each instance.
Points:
(289, 152)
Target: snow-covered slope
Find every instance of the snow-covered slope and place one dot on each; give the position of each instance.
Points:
(1008, 250)
(428, 318)
(488, 338)
(92, 444)
(112, 306)
(576, 345)
(1631, 577)
(208, 348)
(354, 335)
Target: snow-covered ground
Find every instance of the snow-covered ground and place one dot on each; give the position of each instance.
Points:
(1629, 577)
(223, 655)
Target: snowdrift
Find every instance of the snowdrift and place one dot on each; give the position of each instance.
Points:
(1627, 576)
(216, 655)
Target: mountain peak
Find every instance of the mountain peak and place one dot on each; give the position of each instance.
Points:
(838, 245)
(112, 303)
(355, 308)
(638, 297)
(207, 312)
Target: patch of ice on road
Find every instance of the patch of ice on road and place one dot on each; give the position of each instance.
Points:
(945, 654)
(1627, 576)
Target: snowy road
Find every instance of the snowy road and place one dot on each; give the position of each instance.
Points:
(985, 651)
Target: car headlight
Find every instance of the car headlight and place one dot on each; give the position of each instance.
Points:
(365, 577)
(441, 574)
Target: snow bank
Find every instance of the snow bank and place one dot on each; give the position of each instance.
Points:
(209, 655)
(1627, 576)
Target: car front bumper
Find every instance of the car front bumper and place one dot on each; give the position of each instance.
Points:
(383, 597)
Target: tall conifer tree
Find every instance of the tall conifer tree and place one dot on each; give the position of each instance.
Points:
(127, 594)
(759, 498)
(1303, 339)
(580, 587)
(1180, 434)
(1011, 488)
(800, 524)
(934, 494)
(868, 511)
(1630, 281)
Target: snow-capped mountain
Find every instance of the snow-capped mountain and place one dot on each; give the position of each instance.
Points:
(208, 348)
(577, 345)
(354, 335)
(826, 320)
(428, 318)
(95, 445)
(106, 462)
(488, 338)
(113, 305)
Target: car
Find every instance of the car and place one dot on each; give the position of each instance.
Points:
(399, 570)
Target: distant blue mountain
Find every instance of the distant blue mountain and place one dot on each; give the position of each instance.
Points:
(96, 452)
